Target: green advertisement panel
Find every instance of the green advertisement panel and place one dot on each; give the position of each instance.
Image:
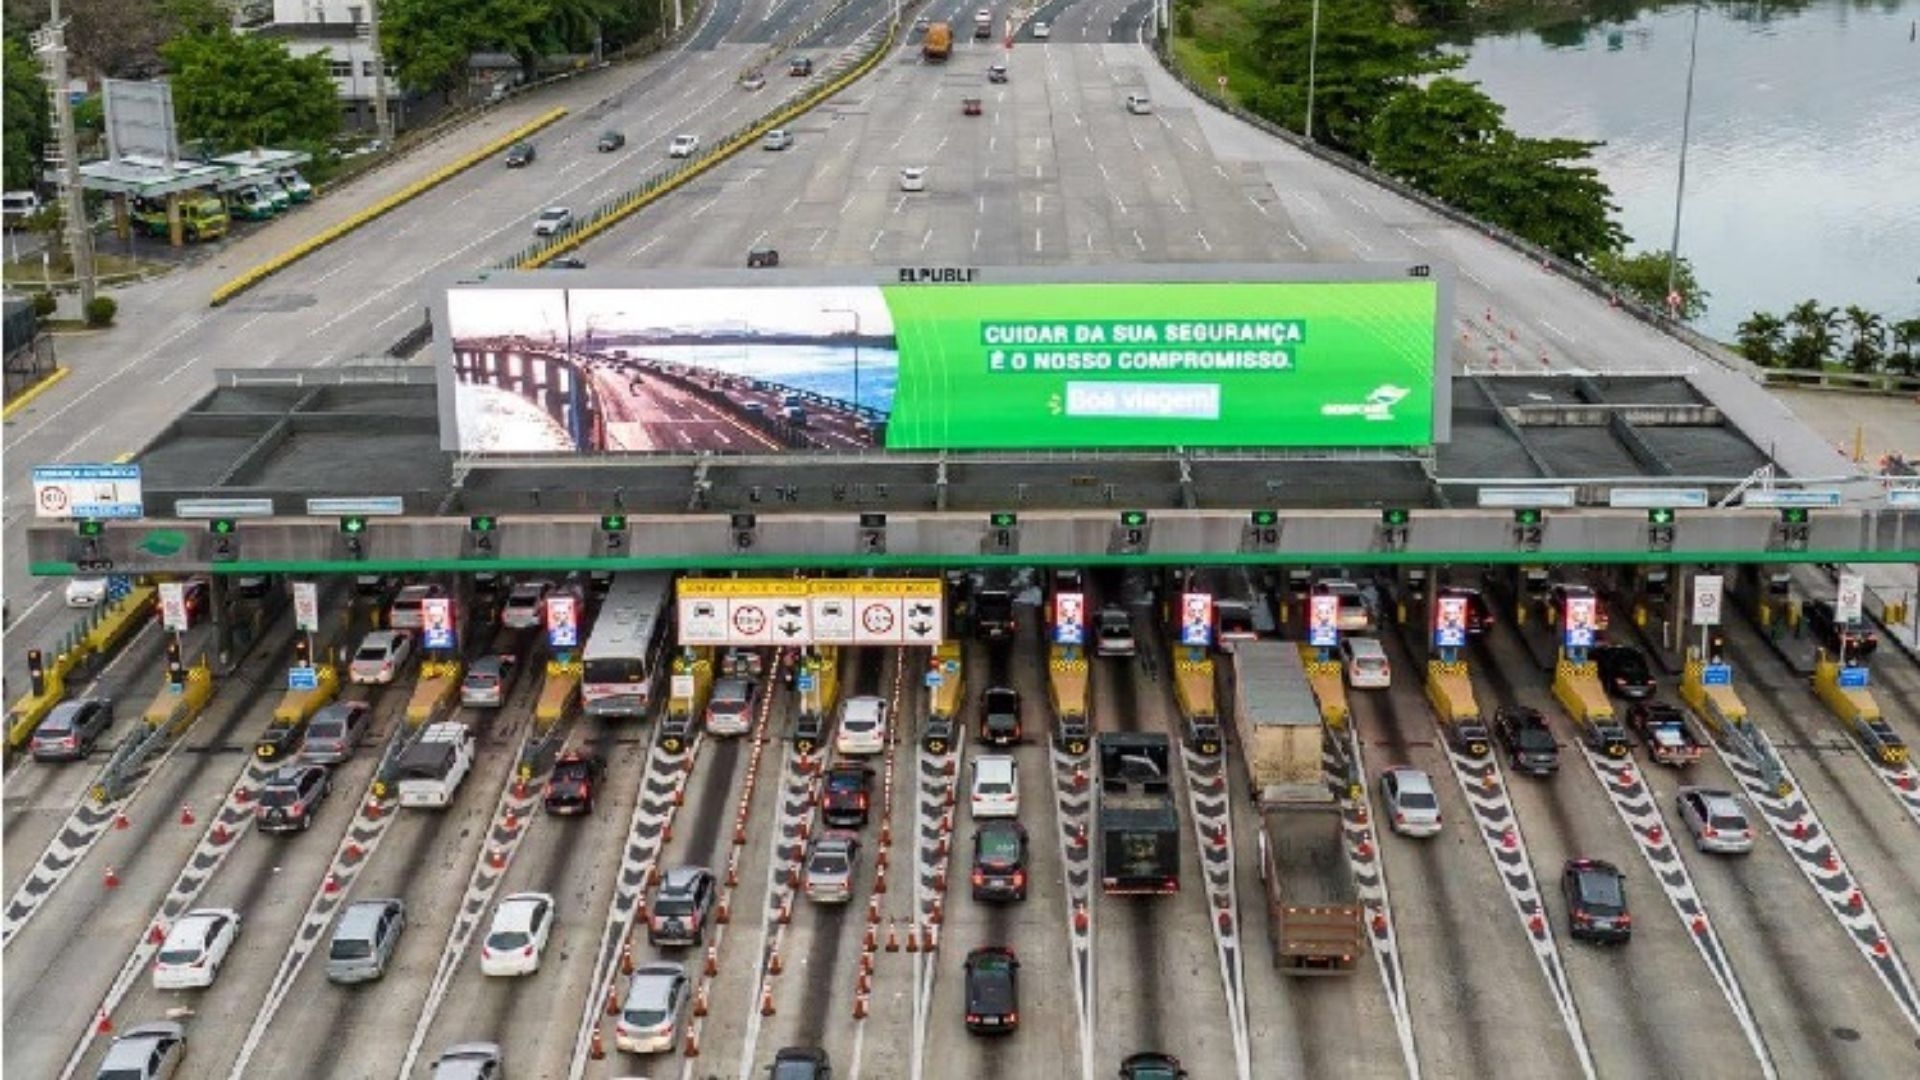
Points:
(1198, 364)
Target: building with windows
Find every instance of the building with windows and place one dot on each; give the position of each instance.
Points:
(340, 30)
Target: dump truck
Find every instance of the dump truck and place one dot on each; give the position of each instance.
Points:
(1313, 903)
(937, 45)
(1139, 827)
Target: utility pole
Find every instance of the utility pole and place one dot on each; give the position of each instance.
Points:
(1313, 64)
(50, 43)
(1680, 185)
(382, 122)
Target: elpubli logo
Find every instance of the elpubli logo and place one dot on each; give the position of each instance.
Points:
(1377, 406)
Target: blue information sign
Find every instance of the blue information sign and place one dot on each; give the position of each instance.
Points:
(803, 682)
(1853, 678)
(1717, 675)
(934, 680)
(303, 678)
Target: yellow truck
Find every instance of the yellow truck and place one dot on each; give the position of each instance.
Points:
(937, 45)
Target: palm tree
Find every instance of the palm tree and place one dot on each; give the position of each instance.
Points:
(1868, 347)
(1759, 338)
(1814, 337)
(1904, 359)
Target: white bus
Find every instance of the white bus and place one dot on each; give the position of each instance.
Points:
(629, 646)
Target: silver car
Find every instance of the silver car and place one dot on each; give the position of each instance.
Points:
(382, 654)
(70, 730)
(650, 1015)
(364, 940)
(730, 708)
(471, 1061)
(1716, 820)
(488, 681)
(525, 605)
(335, 730)
(147, 1052)
(830, 867)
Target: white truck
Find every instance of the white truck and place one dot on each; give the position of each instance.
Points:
(431, 769)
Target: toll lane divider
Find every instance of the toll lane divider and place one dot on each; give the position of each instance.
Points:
(99, 632)
(1499, 827)
(512, 820)
(1206, 783)
(369, 826)
(665, 774)
(1370, 875)
(230, 823)
(274, 265)
(796, 796)
(1627, 789)
(865, 975)
(938, 779)
(25, 397)
(610, 214)
(1791, 819)
(1073, 810)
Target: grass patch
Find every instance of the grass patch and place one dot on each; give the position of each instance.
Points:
(1219, 45)
(28, 273)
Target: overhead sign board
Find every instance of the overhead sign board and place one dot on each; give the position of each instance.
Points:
(368, 506)
(1323, 621)
(1792, 497)
(1849, 597)
(173, 605)
(306, 606)
(1535, 497)
(1069, 618)
(1579, 621)
(436, 622)
(831, 611)
(87, 492)
(1145, 357)
(1450, 622)
(222, 508)
(1196, 619)
(1707, 592)
(1904, 497)
(1657, 498)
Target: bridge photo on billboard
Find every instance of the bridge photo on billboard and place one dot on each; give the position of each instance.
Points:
(1146, 357)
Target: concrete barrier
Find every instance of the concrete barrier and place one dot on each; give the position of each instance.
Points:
(437, 688)
(1328, 688)
(558, 693)
(173, 709)
(1577, 688)
(298, 706)
(25, 397)
(257, 274)
(1450, 691)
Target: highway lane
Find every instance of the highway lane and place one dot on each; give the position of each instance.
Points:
(362, 293)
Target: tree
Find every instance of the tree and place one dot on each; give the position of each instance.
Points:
(1814, 337)
(1904, 358)
(1421, 134)
(28, 125)
(429, 41)
(1643, 276)
(121, 39)
(1866, 340)
(1760, 338)
(1365, 56)
(239, 90)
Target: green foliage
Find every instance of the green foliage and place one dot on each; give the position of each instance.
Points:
(1760, 338)
(27, 123)
(45, 304)
(1866, 340)
(1364, 57)
(429, 41)
(1643, 276)
(1904, 358)
(100, 311)
(1449, 140)
(1815, 335)
(239, 91)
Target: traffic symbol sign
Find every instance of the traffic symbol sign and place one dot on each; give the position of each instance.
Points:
(876, 619)
(749, 621)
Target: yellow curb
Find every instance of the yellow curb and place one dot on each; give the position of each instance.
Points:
(720, 154)
(299, 251)
(26, 397)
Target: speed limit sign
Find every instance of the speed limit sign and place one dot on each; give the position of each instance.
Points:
(1706, 600)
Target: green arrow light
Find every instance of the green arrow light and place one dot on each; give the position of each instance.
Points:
(1264, 519)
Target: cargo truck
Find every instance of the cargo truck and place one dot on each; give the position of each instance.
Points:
(938, 44)
(1313, 905)
(1139, 827)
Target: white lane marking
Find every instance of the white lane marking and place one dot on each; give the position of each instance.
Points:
(845, 206)
(901, 205)
(877, 234)
(1039, 203)
(791, 203)
(1476, 279)
(180, 369)
(816, 241)
(925, 240)
(1182, 207)
(644, 248)
(1357, 242)
(976, 239)
(1116, 202)
(1202, 237)
(756, 240)
(1411, 238)
(1036, 240)
(1137, 242)
(75, 444)
(1562, 333)
(1355, 200)
(1260, 206)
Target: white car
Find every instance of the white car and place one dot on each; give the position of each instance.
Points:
(381, 655)
(1366, 663)
(86, 591)
(1412, 805)
(995, 790)
(913, 178)
(778, 139)
(683, 146)
(521, 924)
(195, 948)
(1139, 104)
(525, 605)
(1042, 31)
(552, 220)
(863, 726)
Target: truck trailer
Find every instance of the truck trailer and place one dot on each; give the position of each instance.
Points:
(1313, 903)
(1139, 826)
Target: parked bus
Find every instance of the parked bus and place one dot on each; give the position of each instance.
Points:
(629, 646)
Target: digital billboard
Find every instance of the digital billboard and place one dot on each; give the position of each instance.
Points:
(1169, 356)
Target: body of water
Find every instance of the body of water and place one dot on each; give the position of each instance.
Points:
(825, 370)
(1803, 169)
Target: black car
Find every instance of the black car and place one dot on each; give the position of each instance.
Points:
(70, 730)
(1470, 737)
(520, 155)
(570, 786)
(1609, 736)
(610, 141)
(1148, 1065)
(848, 795)
(993, 990)
(800, 66)
(1000, 861)
(1596, 895)
(567, 262)
(1624, 672)
(763, 258)
(1531, 747)
(1855, 639)
(1000, 716)
(681, 907)
(291, 798)
(800, 1063)
(281, 738)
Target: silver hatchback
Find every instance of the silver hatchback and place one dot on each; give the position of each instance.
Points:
(334, 731)
(147, 1052)
(1716, 820)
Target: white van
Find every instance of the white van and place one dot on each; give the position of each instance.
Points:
(1366, 663)
(18, 207)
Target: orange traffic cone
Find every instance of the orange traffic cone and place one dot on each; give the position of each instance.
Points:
(103, 1025)
(120, 821)
(766, 1000)
(693, 1038)
(613, 1001)
(598, 1050)
(626, 957)
(186, 814)
(712, 966)
(893, 936)
(913, 938)
(860, 1007)
(774, 966)
(112, 880)
(724, 913)
(700, 1000)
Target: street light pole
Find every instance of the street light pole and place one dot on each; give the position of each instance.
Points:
(51, 45)
(1680, 186)
(382, 120)
(1313, 60)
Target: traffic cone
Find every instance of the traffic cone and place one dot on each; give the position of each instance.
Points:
(860, 1007)
(1219, 836)
(700, 999)
(243, 795)
(693, 1042)
(497, 858)
(626, 957)
(1225, 922)
(724, 913)
(893, 936)
(793, 876)
(112, 880)
(1365, 850)
(933, 917)
(766, 999)
(1855, 901)
(880, 880)
(520, 787)
(940, 878)
(733, 870)
(1655, 834)
(740, 830)
(862, 985)
(712, 966)
(1800, 829)
(880, 859)
(932, 938)
(870, 940)
(597, 1050)
(155, 935)
(511, 821)
(1379, 923)
(220, 834)
(1831, 864)
(1509, 839)
(866, 962)
(666, 830)
(331, 885)
(1537, 925)
(373, 810)
(680, 792)
(640, 906)
(913, 937)
(653, 874)
(1079, 917)
(120, 821)
(1699, 924)
(873, 910)
(774, 964)
(786, 911)
(103, 1025)
(886, 832)
(613, 1001)
(186, 814)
